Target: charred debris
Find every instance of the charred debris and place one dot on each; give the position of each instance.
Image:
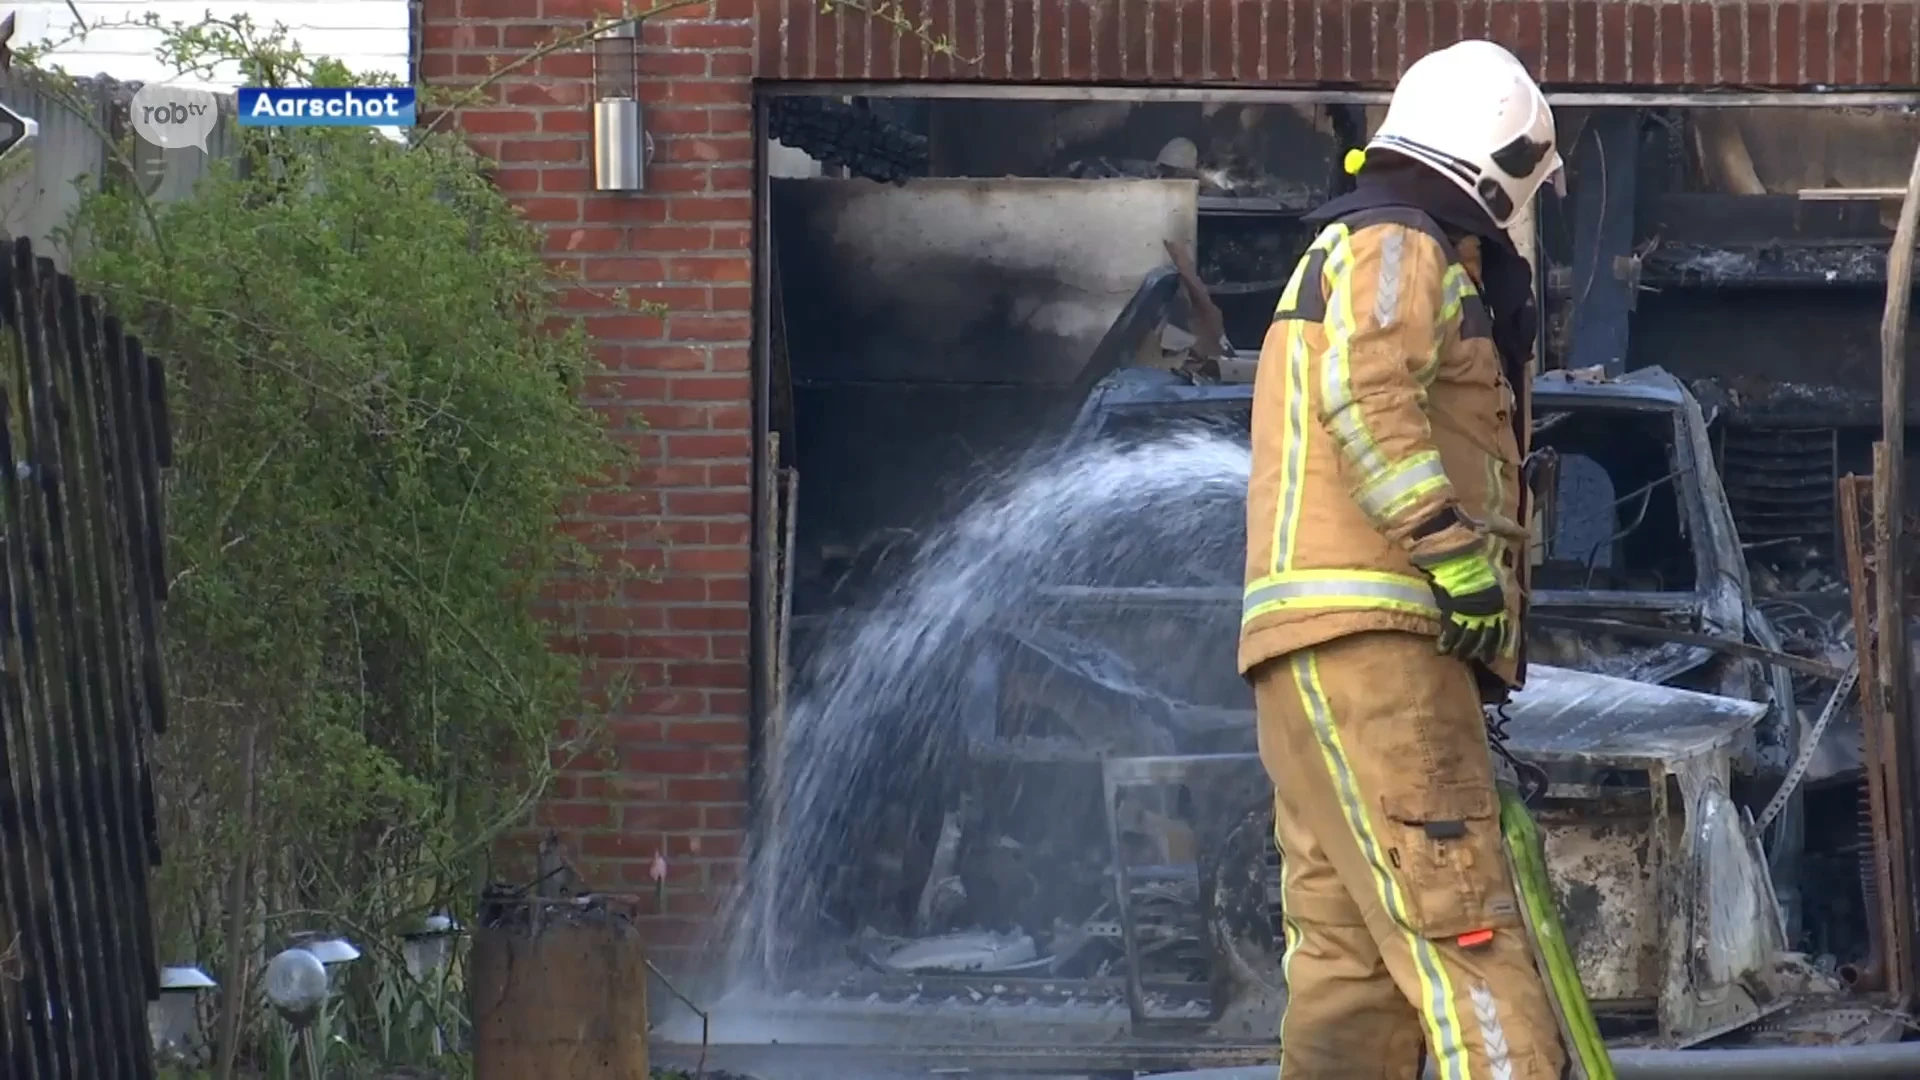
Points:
(1709, 365)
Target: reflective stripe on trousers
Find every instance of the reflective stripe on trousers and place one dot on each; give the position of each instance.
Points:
(1436, 1003)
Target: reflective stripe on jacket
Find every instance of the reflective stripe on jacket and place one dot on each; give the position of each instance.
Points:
(1379, 402)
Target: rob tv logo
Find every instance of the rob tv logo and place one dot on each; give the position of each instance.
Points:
(172, 117)
(178, 116)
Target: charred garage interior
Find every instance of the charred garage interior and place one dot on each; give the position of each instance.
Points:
(1063, 837)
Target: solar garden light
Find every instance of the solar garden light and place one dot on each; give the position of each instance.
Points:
(299, 980)
(428, 952)
(173, 1021)
(428, 948)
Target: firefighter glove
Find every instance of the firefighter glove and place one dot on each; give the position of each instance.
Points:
(1473, 609)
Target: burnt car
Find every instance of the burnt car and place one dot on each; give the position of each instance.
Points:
(1095, 886)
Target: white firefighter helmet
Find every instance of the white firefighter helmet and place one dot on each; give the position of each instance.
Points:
(1472, 113)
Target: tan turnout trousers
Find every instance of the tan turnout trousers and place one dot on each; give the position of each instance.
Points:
(1401, 920)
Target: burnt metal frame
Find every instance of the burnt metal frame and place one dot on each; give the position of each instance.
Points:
(1710, 754)
(1718, 599)
(1123, 772)
(1603, 203)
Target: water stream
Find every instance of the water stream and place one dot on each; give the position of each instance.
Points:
(876, 708)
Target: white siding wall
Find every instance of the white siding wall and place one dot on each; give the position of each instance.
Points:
(368, 35)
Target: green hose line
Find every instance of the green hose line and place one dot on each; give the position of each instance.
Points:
(1528, 854)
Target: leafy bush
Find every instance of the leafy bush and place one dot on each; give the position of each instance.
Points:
(377, 433)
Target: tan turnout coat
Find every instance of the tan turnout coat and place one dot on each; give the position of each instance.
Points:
(1379, 402)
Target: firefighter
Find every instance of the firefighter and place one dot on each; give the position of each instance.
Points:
(1386, 575)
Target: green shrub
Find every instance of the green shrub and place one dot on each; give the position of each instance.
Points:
(377, 433)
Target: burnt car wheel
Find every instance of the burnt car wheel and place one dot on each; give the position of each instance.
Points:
(1243, 908)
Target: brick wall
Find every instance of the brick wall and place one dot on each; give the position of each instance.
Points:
(1360, 42)
(677, 781)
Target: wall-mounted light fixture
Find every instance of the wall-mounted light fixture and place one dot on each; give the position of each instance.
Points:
(621, 146)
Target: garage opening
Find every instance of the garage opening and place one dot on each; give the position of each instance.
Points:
(966, 291)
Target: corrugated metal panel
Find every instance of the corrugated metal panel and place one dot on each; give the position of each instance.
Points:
(38, 195)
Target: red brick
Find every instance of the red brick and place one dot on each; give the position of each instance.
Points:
(1788, 40)
(1131, 58)
(1816, 40)
(730, 65)
(858, 32)
(905, 56)
(704, 91)
(661, 64)
(703, 732)
(1846, 45)
(1449, 23)
(1416, 34)
(1355, 34)
(1729, 63)
(566, 181)
(667, 238)
(1559, 64)
(1503, 22)
(570, 815)
(705, 35)
(707, 618)
(724, 208)
(663, 818)
(953, 40)
(660, 761)
(544, 150)
(498, 121)
(1191, 34)
(570, 95)
(1050, 40)
(1239, 35)
(664, 358)
(992, 43)
(517, 180)
(1476, 19)
(550, 209)
(707, 845)
(708, 502)
(1874, 34)
(728, 268)
(1903, 44)
(666, 179)
(672, 646)
(1102, 21)
(710, 149)
(709, 388)
(729, 180)
(565, 122)
(1762, 67)
(1615, 41)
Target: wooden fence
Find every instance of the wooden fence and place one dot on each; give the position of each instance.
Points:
(83, 439)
